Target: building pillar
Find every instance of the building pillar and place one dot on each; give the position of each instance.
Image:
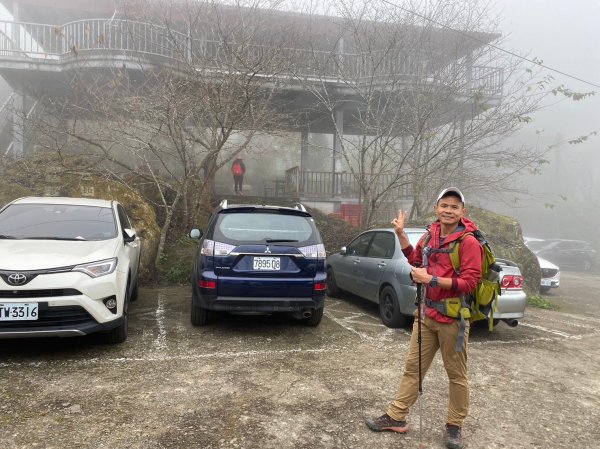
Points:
(461, 143)
(303, 157)
(338, 135)
(469, 72)
(15, 29)
(18, 125)
(17, 103)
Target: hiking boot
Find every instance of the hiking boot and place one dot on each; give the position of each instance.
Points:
(453, 437)
(386, 422)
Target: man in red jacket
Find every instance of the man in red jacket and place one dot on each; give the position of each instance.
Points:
(438, 331)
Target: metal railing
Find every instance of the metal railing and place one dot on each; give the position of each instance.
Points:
(323, 185)
(34, 41)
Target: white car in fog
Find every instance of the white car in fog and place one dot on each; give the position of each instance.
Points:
(68, 267)
(550, 275)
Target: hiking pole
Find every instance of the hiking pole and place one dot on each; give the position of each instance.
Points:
(419, 317)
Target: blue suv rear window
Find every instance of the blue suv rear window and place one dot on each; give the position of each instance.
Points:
(245, 227)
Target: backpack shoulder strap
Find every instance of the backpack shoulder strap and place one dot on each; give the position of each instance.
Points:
(454, 254)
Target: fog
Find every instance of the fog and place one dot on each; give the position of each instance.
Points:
(563, 201)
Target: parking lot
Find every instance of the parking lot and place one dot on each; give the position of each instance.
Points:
(269, 382)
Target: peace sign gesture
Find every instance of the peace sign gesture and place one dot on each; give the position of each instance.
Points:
(398, 222)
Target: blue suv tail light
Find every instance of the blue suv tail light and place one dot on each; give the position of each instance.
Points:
(313, 251)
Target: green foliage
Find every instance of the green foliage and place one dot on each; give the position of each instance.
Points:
(581, 139)
(541, 303)
(575, 96)
(524, 118)
(175, 264)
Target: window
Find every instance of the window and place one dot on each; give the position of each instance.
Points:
(58, 221)
(382, 246)
(359, 246)
(123, 218)
(241, 227)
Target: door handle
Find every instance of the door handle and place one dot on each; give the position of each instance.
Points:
(356, 260)
(381, 264)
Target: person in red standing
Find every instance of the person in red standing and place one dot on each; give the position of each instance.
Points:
(237, 170)
(438, 332)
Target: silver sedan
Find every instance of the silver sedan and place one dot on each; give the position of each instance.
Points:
(373, 267)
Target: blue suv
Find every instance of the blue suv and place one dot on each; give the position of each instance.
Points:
(258, 259)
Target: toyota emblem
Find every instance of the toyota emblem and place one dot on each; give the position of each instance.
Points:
(17, 279)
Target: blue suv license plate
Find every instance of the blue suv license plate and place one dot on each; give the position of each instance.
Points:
(267, 263)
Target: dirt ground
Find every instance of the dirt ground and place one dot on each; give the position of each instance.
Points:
(269, 382)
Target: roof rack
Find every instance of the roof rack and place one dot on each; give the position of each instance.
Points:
(223, 204)
(300, 206)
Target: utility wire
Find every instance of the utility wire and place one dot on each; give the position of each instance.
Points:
(490, 44)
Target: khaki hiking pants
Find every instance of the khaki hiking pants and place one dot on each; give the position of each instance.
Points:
(435, 336)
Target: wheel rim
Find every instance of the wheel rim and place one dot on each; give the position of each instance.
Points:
(388, 306)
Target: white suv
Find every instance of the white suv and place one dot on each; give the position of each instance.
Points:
(68, 267)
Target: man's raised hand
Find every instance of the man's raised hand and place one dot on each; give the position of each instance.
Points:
(398, 222)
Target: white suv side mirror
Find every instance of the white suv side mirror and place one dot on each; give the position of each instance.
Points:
(129, 235)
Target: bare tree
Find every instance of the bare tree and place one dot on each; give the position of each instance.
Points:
(173, 114)
(426, 101)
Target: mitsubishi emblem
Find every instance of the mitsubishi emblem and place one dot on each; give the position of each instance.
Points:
(267, 251)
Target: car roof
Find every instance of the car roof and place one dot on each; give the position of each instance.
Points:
(410, 230)
(63, 200)
(298, 209)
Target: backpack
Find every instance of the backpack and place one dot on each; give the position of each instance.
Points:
(481, 304)
(237, 169)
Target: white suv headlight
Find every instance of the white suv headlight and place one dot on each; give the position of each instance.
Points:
(97, 269)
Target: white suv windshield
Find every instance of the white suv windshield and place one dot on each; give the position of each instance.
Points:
(263, 227)
(57, 221)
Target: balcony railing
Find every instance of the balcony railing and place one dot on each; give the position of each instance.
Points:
(125, 37)
(331, 185)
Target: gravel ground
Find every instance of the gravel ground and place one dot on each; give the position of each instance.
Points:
(269, 382)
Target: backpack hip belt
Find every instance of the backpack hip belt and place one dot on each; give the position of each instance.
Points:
(453, 308)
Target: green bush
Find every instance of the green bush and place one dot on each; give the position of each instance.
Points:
(541, 303)
(175, 265)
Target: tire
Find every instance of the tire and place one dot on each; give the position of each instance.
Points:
(544, 290)
(389, 309)
(118, 334)
(315, 318)
(332, 288)
(135, 292)
(199, 316)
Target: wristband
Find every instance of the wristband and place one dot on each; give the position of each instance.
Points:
(454, 284)
(433, 282)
